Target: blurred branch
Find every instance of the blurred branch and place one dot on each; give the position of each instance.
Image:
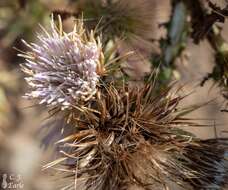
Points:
(173, 46)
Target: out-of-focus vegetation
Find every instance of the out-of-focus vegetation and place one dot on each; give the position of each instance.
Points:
(19, 19)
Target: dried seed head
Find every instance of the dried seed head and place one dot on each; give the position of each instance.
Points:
(62, 67)
(131, 20)
(131, 138)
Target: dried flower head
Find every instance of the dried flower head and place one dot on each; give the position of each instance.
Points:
(130, 20)
(131, 137)
(62, 67)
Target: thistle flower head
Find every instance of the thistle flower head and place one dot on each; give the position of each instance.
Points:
(62, 67)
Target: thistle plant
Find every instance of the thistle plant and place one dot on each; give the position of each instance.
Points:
(120, 135)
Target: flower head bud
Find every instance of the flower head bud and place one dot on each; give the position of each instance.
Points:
(62, 67)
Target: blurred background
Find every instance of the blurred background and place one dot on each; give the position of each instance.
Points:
(21, 152)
